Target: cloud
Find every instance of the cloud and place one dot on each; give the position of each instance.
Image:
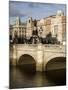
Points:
(40, 5)
(15, 11)
(33, 5)
(24, 9)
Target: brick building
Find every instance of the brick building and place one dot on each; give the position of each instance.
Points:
(55, 24)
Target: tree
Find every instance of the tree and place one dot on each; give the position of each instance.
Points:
(50, 40)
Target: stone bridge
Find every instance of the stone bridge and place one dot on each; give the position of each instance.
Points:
(42, 54)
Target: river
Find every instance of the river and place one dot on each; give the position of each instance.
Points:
(21, 79)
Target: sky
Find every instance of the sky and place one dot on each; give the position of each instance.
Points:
(34, 10)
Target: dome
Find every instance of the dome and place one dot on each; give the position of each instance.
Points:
(59, 13)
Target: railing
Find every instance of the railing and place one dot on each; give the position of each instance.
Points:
(45, 45)
(45, 48)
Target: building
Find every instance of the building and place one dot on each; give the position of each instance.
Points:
(55, 24)
(18, 30)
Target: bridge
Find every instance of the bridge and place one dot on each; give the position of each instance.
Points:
(41, 55)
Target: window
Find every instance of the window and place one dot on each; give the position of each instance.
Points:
(64, 32)
(20, 31)
(29, 21)
(55, 29)
(15, 33)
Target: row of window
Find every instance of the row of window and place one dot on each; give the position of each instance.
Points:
(19, 28)
(20, 32)
(41, 29)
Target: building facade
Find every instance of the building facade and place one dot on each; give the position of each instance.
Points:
(55, 24)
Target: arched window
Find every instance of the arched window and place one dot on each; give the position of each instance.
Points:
(29, 21)
(15, 33)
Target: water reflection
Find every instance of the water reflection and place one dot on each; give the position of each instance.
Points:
(57, 76)
(27, 63)
(19, 78)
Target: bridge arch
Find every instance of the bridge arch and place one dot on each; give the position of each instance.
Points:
(27, 62)
(55, 62)
(24, 52)
(26, 57)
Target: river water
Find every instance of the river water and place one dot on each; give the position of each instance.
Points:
(21, 79)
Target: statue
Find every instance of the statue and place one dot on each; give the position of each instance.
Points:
(35, 38)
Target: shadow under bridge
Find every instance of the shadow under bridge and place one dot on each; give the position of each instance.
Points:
(27, 63)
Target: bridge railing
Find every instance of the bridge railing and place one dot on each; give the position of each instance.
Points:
(45, 45)
(41, 46)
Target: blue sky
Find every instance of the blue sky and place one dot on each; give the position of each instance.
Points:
(35, 10)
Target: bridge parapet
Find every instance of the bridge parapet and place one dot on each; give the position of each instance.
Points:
(55, 48)
(46, 47)
(26, 47)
